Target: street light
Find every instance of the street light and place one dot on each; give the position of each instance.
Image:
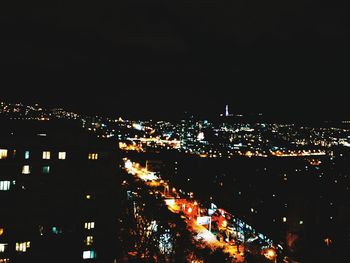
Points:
(271, 255)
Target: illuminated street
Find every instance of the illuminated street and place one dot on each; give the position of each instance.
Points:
(191, 211)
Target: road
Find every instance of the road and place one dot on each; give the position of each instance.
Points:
(190, 210)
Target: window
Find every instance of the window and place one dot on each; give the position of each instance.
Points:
(4, 260)
(56, 230)
(4, 186)
(93, 156)
(46, 169)
(89, 240)
(22, 247)
(89, 254)
(3, 154)
(3, 247)
(26, 155)
(62, 155)
(25, 169)
(46, 155)
(1, 231)
(89, 225)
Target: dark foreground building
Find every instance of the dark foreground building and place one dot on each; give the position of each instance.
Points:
(59, 195)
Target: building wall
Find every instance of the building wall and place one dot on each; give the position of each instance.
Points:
(50, 207)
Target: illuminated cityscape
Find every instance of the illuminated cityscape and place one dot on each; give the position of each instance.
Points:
(182, 131)
(186, 190)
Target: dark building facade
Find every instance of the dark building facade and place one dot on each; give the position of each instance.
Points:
(59, 197)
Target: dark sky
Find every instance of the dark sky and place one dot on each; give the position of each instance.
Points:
(161, 57)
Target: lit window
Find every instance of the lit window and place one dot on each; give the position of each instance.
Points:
(56, 230)
(4, 185)
(3, 154)
(26, 155)
(89, 254)
(89, 240)
(3, 247)
(46, 155)
(46, 169)
(62, 155)
(1, 231)
(93, 156)
(23, 246)
(89, 225)
(4, 260)
(25, 169)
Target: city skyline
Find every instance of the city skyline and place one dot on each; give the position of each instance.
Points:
(174, 131)
(154, 104)
(249, 191)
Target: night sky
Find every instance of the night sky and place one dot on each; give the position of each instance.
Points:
(160, 57)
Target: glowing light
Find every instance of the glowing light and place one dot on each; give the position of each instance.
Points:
(22, 247)
(137, 126)
(89, 225)
(89, 254)
(62, 155)
(2, 248)
(128, 164)
(270, 254)
(170, 202)
(89, 240)
(4, 186)
(3, 154)
(46, 155)
(328, 241)
(25, 169)
(93, 156)
(200, 136)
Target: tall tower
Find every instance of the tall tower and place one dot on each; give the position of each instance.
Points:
(226, 111)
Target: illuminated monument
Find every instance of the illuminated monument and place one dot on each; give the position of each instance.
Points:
(226, 113)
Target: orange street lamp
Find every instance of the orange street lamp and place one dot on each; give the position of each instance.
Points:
(271, 255)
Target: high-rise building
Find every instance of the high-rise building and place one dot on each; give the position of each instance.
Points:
(57, 204)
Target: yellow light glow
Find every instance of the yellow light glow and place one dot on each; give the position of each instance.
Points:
(271, 253)
(3, 154)
(89, 240)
